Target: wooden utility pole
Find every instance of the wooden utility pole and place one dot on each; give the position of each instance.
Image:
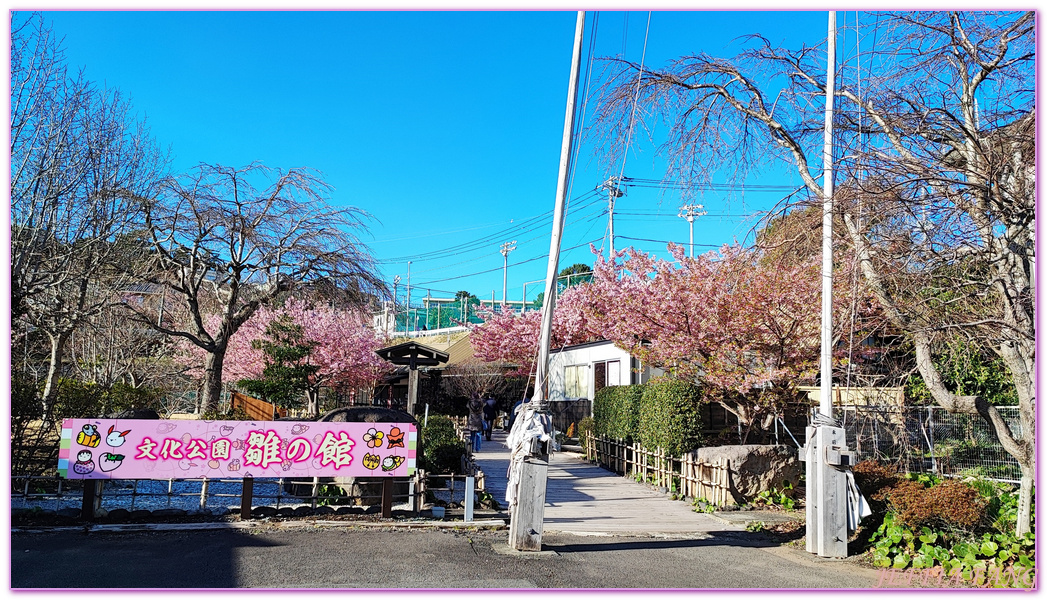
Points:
(525, 528)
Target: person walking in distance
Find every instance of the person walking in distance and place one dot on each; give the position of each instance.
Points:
(489, 414)
(475, 424)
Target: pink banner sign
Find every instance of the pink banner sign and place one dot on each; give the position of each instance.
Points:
(177, 449)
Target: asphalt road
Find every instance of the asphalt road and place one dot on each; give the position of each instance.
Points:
(419, 558)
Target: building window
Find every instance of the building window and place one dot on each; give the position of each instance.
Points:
(605, 373)
(575, 381)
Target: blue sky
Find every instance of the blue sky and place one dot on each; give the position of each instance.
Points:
(444, 126)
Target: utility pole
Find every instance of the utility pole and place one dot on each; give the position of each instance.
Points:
(529, 468)
(506, 249)
(826, 452)
(396, 282)
(428, 303)
(689, 212)
(407, 322)
(613, 191)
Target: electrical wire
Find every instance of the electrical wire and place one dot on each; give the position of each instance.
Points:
(525, 261)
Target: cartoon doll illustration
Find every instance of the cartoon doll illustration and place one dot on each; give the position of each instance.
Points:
(83, 464)
(391, 462)
(396, 438)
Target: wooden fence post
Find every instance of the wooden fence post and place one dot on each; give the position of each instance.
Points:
(387, 498)
(92, 499)
(246, 497)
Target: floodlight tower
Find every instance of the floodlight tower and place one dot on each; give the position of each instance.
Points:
(689, 212)
(506, 249)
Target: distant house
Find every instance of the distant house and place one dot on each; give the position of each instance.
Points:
(581, 370)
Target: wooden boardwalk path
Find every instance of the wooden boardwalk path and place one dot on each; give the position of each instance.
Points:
(585, 499)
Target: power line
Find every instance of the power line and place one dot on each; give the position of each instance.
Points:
(527, 225)
(525, 261)
(665, 241)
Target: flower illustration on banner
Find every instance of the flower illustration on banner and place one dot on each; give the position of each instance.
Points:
(373, 438)
(391, 462)
(371, 461)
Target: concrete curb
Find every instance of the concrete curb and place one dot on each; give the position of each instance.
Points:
(492, 524)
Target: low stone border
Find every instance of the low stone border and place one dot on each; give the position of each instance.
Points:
(491, 524)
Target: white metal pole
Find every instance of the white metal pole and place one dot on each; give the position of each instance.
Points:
(525, 530)
(542, 370)
(690, 221)
(826, 404)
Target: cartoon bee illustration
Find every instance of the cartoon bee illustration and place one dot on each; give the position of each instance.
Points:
(83, 464)
(89, 436)
(391, 462)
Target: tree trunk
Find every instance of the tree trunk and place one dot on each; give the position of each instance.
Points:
(211, 382)
(54, 371)
(312, 397)
(1024, 524)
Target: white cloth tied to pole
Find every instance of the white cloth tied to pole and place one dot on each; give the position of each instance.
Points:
(857, 505)
(529, 426)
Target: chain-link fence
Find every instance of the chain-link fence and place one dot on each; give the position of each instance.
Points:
(931, 440)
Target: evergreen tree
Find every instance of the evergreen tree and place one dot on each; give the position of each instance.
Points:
(287, 371)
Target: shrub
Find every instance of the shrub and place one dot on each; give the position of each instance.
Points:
(585, 426)
(872, 479)
(442, 450)
(616, 410)
(949, 504)
(670, 417)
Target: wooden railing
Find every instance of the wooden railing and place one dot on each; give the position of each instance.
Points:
(684, 476)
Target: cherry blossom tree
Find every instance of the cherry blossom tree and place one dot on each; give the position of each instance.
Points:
(222, 243)
(343, 347)
(746, 329)
(512, 338)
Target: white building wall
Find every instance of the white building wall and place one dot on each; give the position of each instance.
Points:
(587, 354)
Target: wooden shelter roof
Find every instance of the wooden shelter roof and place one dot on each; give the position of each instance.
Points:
(413, 354)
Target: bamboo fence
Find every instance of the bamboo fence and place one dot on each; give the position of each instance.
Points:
(685, 475)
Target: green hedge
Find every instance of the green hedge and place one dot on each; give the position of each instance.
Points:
(616, 411)
(669, 416)
(585, 426)
(442, 451)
